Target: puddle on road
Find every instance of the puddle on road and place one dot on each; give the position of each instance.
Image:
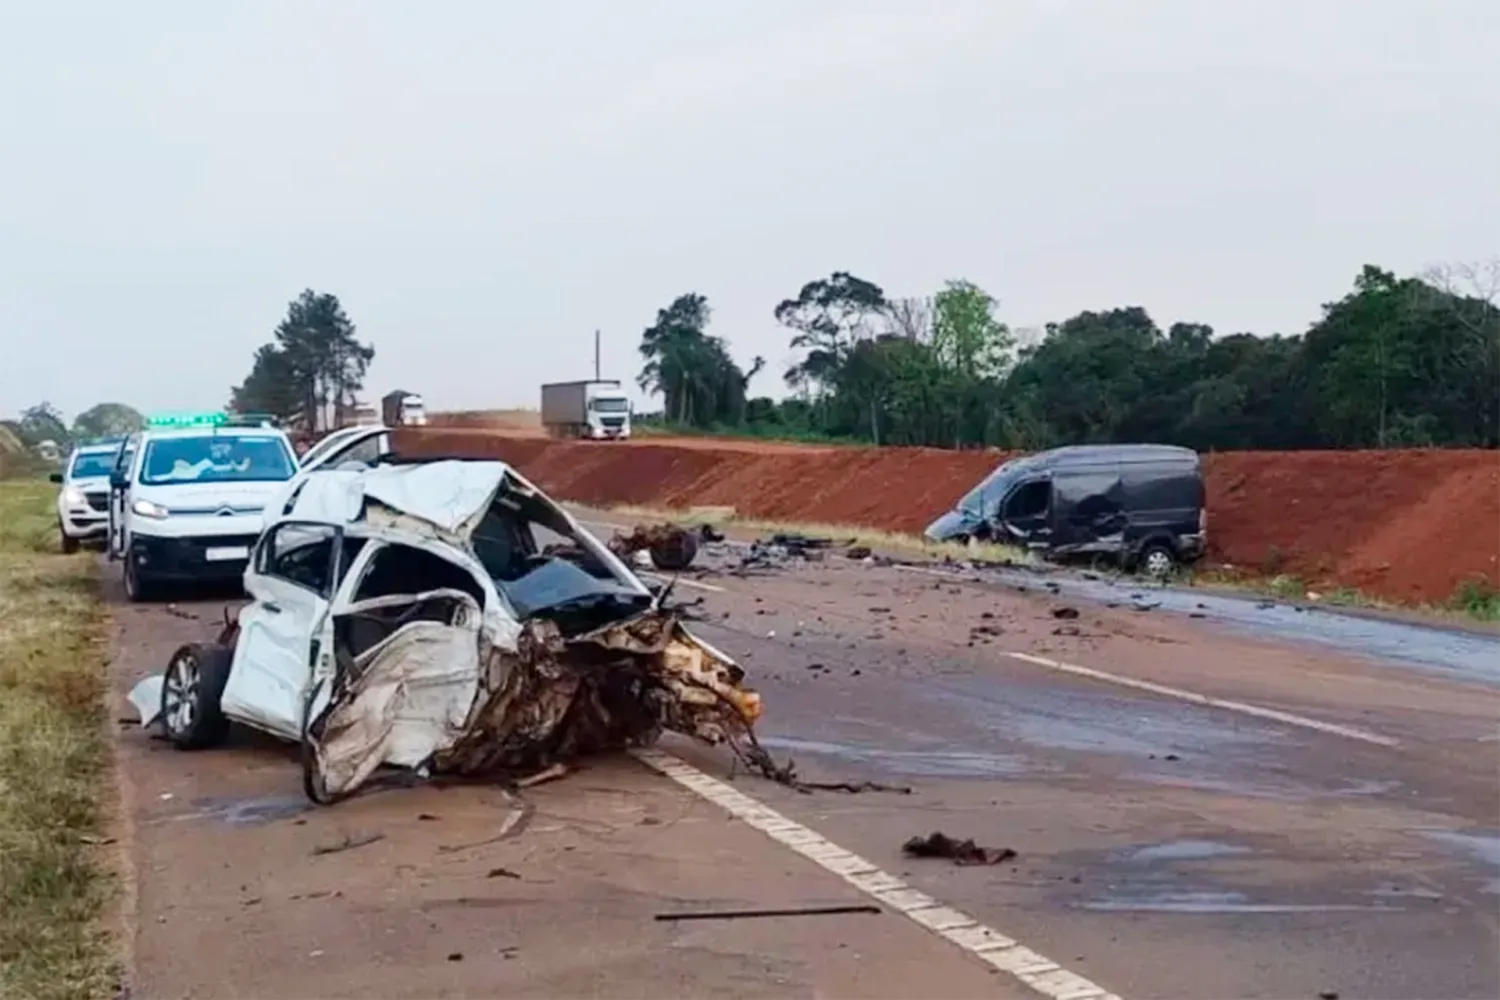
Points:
(914, 763)
(1483, 847)
(1220, 902)
(250, 811)
(1185, 850)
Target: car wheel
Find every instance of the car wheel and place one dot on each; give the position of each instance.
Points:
(69, 545)
(1157, 560)
(137, 590)
(314, 784)
(191, 692)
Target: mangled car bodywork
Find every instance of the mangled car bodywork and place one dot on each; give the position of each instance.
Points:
(410, 616)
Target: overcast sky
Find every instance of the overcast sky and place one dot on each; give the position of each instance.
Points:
(485, 182)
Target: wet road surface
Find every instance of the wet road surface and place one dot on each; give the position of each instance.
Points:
(1342, 840)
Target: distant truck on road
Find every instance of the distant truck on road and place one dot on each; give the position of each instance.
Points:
(595, 409)
(403, 409)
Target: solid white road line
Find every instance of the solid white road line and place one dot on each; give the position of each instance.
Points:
(985, 943)
(1275, 715)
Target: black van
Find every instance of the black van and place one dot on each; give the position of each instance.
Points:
(1139, 505)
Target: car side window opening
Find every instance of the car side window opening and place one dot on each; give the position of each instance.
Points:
(300, 554)
(1029, 500)
(405, 569)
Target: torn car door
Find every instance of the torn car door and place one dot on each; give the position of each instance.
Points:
(406, 631)
(294, 568)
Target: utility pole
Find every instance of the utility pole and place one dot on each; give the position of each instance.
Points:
(597, 375)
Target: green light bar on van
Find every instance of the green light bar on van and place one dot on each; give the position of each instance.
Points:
(215, 418)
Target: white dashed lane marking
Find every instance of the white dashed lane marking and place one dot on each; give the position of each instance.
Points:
(1208, 701)
(958, 928)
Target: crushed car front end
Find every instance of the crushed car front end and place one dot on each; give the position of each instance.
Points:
(480, 649)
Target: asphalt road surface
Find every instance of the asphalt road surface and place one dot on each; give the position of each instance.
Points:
(1195, 813)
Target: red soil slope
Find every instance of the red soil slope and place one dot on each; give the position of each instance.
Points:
(1405, 525)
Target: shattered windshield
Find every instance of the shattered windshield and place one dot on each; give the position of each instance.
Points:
(535, 579)
(984, 499)
(555, 583)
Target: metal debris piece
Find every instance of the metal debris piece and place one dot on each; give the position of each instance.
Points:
(348, 843)
(797, 911)
(671, 546)
(961, 852)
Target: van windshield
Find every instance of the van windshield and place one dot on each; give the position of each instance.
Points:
(984, 500)
(217, 458)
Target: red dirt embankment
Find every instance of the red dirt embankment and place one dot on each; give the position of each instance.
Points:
(1404, 525)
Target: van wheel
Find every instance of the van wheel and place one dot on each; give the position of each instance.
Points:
(137, 589)
(191, 691)
(1157, 560)
(69, 545)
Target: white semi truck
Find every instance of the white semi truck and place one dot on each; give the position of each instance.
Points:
(595, 409)
(403, 409)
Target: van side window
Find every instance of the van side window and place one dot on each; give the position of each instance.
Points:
(1030, 500)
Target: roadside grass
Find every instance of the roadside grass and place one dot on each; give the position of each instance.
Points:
(54, 756)
(725, 518)
(1475, 600)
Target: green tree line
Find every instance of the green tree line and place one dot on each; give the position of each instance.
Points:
(1394, 362)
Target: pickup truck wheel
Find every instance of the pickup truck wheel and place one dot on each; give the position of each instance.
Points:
(69, 545)
(1157, 560)
(192, 689)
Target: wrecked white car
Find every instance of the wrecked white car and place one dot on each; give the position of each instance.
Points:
(414, 616)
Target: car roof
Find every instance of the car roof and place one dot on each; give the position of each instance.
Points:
(95, 448)
(1084, 454)
(152, 433)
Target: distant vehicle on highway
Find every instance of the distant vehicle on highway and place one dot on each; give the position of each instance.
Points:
(595, 409)
(1139, 505)
(403, 409)
(83, 501)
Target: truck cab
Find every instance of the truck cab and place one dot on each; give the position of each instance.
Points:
(403, 409)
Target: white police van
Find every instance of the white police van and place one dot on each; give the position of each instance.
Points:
(83, 501)
(187, 495)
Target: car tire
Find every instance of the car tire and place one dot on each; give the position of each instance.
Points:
(68, 545)
(191, 693)
(1157, 560)
(137, 589)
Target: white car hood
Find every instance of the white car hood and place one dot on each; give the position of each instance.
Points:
(90, 484)
(208, 497)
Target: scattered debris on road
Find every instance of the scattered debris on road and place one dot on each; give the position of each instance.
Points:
(797, 911)
(1065, 613)
(961, 852)
(670, 546)
(348, 843)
